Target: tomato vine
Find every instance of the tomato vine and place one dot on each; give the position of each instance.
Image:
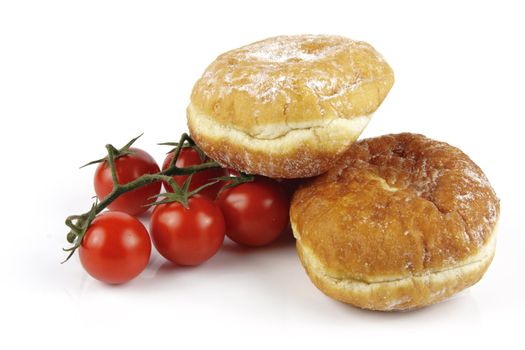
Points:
(78, 224)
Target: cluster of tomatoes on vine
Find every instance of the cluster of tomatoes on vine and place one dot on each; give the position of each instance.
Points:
(189, 221)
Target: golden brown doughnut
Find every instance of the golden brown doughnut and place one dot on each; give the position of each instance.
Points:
(287, 106)
(401, 221)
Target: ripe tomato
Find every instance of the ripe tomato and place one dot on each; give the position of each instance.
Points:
(188, 157)
(188, 236)
(129, 167)
(116, 248)
(255, 212)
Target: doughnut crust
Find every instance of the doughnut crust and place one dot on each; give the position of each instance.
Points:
(400, 222)
(287, 106)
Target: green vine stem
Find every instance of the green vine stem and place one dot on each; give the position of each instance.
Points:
(78, 224)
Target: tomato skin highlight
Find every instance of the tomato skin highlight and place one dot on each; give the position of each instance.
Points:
(189, 157)
(129, 167)
(116, 248)
(255, 212)
(188, 236)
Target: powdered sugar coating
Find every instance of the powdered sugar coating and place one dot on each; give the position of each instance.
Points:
(297, 81)
(282, 49)
(274, 57)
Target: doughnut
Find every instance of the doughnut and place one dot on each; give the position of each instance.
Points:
(400, 222)
(287, 106)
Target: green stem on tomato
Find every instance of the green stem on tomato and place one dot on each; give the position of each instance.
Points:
(79, 224)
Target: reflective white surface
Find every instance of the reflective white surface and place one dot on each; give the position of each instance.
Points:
(74, 77)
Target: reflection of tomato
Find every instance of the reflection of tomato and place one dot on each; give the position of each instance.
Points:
(129, 167)
(255, 212)
(188, 157)
(188, 236)
(116, 247)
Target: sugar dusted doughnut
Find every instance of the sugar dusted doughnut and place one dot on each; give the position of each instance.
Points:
(287, 106)
(400, 222)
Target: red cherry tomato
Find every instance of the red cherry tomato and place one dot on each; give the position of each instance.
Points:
(255, 212)
(116, 248)
(129, 167)
(188, 236)
(188, 157)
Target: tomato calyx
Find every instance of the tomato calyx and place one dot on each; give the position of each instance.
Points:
(233, 181)
(117, 153)
(190, 144)
(180, 194)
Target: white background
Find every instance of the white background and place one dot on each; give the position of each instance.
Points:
(75, 75)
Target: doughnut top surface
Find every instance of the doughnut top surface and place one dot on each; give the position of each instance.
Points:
(283, 83)
(394, 207)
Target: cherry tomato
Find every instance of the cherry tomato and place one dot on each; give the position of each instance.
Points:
(255, 212)
(188, 236)
(129, 167)
(188, 157)
(116, 248)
